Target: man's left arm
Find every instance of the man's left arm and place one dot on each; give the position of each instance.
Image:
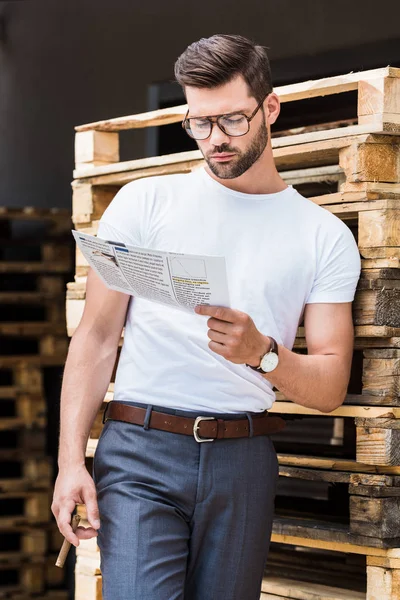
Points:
(317, 380)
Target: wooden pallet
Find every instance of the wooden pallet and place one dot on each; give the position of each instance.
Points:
(54, 257)
(34, 286)
(24, 508)
(19, 472)
(377, 111)
(20, 377)
(20, 542)
(24, 440)
(23, 410)
(26, 577)
(298, 573)
(363, 161)
(55, 221)
(33, 350)
(31, 313)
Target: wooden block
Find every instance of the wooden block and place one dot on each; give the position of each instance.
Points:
(381, 373)
(371, 161)
(378, 96)
(96, 147)
(378, 446)
(87, 587)
(379, 228)
(383, 584)
(89, 202)
(376, 517)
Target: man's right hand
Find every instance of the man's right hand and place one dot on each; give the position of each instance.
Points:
(75, 486)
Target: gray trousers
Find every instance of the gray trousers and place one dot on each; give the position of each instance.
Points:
(179, 519)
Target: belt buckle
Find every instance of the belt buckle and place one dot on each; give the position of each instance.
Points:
(196, 427)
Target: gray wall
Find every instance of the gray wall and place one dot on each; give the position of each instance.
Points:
(63, 63)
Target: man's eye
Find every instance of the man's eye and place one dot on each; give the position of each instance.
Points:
(234, 120)
(199, 124)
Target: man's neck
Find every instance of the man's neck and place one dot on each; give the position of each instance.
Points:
(261, 178)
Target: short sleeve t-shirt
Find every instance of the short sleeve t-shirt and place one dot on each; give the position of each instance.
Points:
(282, 251)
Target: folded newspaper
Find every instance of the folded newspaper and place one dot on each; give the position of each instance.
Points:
(172, 278)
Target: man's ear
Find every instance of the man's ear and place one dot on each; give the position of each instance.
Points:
(272, 107)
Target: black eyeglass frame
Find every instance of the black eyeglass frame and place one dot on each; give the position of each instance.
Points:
(215, 119)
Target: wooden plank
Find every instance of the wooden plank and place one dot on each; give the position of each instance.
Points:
(61, 266)
(280, 588)
(291, 408)
(316, 534)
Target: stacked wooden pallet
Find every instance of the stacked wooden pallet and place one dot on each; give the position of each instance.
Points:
(34, 262)
(338, 499)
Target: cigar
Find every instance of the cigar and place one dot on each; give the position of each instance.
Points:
(66, 544)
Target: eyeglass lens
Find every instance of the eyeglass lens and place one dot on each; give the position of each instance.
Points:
(233, 125)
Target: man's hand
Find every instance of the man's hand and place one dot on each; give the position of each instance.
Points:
(234, 335)
(75, 486)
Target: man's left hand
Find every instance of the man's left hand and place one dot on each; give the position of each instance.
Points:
(234, 335)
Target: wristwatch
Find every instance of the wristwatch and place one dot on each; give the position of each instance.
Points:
(270, 360)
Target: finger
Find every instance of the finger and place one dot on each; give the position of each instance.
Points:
(217, 347)
(218, 325)
(85, 533)
(92, 509)
(216, 336)
(64, 525)
(219, 312)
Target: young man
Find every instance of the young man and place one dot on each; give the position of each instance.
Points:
(177, 518)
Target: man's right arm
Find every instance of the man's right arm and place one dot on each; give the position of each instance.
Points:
(87, 373)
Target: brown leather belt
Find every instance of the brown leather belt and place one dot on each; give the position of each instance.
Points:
(204, 429)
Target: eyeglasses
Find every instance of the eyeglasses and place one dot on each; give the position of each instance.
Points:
(233, 124)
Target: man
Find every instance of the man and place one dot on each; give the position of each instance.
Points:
(183, 515)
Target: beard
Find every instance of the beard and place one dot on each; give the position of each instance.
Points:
(243, 159)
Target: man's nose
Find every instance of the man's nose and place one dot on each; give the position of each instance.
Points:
(218, 137)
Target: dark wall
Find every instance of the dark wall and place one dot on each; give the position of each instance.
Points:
(76, 61)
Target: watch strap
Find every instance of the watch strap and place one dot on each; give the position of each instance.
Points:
(273, 348)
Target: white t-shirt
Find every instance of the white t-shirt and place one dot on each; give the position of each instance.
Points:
(282, 251)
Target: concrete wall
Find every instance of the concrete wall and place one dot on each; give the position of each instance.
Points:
(68, 62)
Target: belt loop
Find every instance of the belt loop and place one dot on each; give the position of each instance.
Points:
(250, 418)
(147, 416)
(105, 412)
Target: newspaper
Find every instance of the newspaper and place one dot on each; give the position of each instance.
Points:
(176, 279)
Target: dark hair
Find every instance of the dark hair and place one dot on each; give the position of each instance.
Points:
(216, 60)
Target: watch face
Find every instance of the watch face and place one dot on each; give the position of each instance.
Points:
(269, 362)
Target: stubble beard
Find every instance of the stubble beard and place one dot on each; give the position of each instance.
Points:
(243, 161)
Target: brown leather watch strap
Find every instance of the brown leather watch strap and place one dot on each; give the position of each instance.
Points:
(215, 428)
